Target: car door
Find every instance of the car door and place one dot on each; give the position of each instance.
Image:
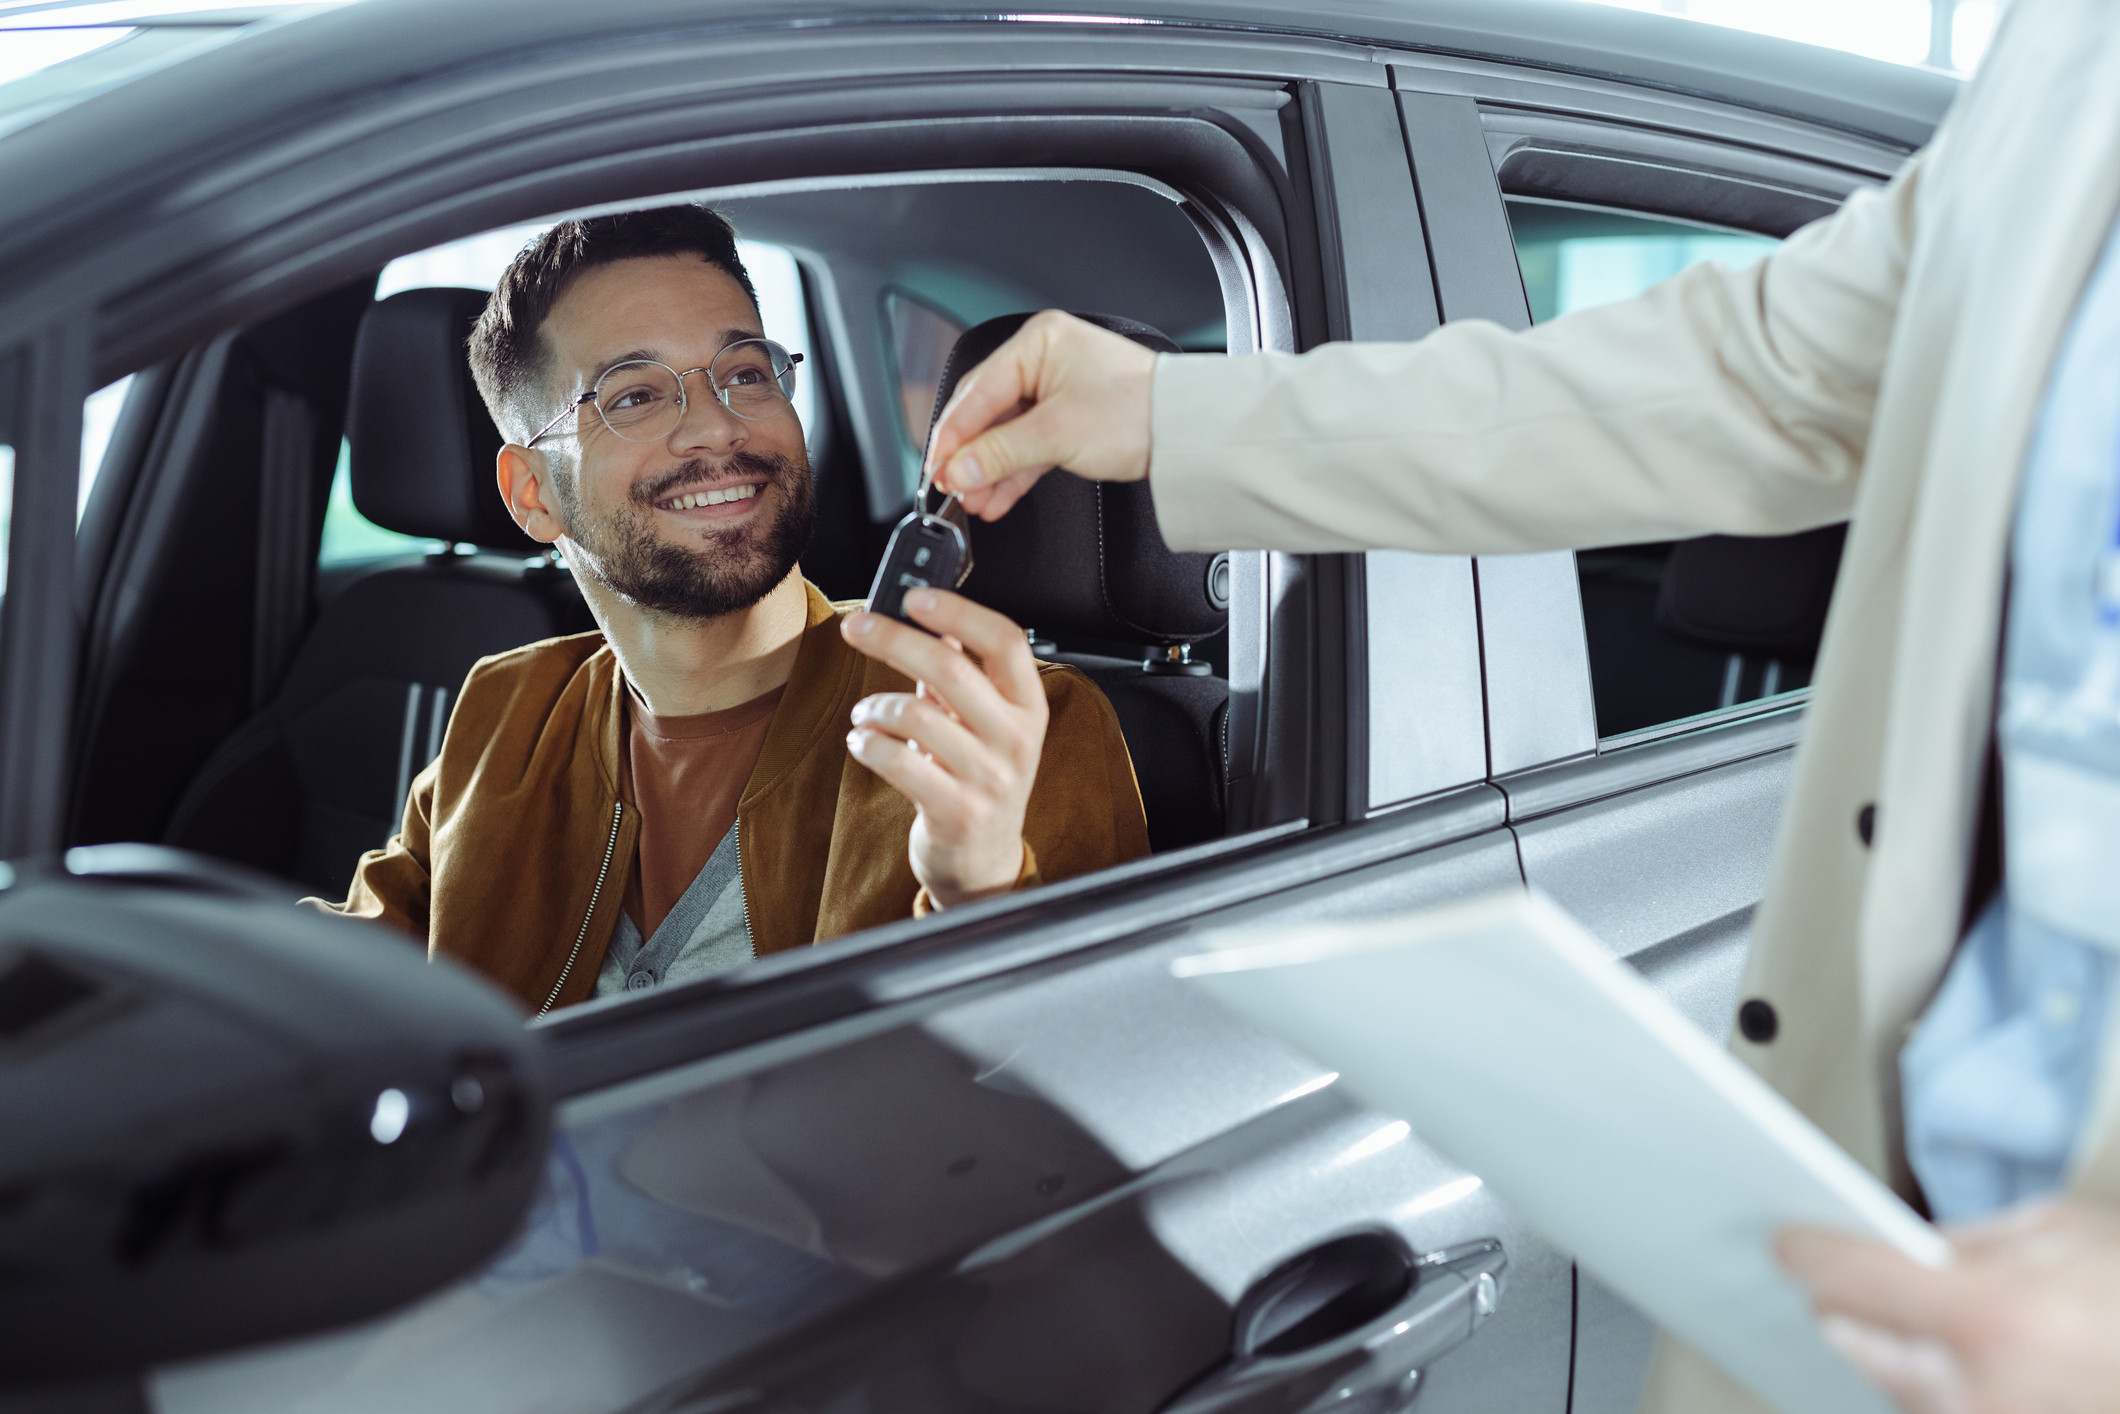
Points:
(1001, 1157)
(1657, 838)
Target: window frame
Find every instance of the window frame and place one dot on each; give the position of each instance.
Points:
(1241, 185)
(43, 383)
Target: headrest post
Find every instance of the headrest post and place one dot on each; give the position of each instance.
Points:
(1177, 661)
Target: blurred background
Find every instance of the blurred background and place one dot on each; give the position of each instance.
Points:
(1944, 34)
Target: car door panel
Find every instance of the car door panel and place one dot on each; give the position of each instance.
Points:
(1057, 1187)
(1643, 868)
(979, 1130)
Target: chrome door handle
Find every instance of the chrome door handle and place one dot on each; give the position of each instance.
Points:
(1373, 1367)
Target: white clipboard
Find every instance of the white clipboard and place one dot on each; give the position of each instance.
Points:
(1521, 1049)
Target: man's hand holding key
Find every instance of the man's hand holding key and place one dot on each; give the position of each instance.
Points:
(963, 747)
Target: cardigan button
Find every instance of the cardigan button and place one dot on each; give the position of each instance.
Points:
(640, 981)
(1866, 824)
(1757, 1022)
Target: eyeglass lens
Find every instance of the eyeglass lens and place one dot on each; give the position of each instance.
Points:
(644, 401)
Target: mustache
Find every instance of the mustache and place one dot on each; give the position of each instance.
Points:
(771, 465)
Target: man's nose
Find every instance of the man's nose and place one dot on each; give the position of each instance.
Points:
(706, 425)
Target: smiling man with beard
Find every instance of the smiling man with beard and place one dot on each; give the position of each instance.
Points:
(733, 766)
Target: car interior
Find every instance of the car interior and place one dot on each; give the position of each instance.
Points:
(306, 513)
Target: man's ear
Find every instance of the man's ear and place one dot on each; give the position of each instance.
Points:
(517, 468)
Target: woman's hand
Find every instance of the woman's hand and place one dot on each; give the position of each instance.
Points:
(1061, 392)
(2026, 1320)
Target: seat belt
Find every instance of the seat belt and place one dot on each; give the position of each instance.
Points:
(286, 491)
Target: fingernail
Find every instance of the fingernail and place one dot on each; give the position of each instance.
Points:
(967, 473)
(861, 623)
(857, 741)
(920, 601)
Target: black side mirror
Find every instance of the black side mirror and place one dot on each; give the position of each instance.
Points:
(225, 1119)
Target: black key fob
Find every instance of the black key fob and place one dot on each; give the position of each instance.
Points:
(926, 552)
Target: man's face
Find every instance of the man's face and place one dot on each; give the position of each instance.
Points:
(629, 507)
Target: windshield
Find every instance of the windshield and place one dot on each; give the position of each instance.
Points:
(56, 52)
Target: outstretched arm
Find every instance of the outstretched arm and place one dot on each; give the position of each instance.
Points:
(1735, 401)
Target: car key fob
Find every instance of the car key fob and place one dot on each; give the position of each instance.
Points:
(925, 552)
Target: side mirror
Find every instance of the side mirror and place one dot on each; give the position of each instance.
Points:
(225, 1119)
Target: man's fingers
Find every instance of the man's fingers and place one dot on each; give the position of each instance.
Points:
(924, 782)
(1875, 1285)
(998, 640)
(1001, 704)
(908, 718)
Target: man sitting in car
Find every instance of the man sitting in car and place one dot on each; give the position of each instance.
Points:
(734, 766)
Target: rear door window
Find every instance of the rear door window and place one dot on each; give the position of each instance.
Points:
(1673, 633)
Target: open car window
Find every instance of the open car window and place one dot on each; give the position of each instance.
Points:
(413, 573)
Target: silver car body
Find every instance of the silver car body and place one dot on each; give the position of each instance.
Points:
(1000, 1158)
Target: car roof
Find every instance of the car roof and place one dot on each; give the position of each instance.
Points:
(269, 72)
(185, 126)
(1898, 102)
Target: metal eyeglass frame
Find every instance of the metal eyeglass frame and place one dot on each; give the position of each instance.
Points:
(684, 406)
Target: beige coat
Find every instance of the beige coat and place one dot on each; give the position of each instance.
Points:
(1885, 364)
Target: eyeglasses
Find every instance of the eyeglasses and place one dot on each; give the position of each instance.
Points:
(644, 401)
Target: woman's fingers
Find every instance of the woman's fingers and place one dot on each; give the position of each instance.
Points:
(1059, 392)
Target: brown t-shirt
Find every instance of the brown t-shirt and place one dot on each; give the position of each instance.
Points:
(684, 775)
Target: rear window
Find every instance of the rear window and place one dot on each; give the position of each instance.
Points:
(1648, 665)
(1575, 257)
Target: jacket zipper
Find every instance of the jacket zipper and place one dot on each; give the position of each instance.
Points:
(743, 893)
(618, 813)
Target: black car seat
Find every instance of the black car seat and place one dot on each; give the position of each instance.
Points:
(1084, 562)
(1680, 629)
(1762, 600)
(320, 773)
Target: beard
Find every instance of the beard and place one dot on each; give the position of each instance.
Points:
(723, 571)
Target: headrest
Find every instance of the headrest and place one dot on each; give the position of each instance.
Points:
(423, 445)
(1764, 595)
(1086, 557)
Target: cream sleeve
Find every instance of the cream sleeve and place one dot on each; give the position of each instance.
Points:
(1733, 401)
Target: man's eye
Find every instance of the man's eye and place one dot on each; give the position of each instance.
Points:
(748, 375)
(632, 399)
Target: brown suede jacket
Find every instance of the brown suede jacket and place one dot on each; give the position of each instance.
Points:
(514, 849)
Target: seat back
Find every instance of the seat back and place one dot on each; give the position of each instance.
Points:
(1084, 564)
(321, 773)
(1762, 600)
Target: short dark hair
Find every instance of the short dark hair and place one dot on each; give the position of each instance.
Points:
(507, 357)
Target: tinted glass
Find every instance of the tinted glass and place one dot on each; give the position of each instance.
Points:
(921, 340)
